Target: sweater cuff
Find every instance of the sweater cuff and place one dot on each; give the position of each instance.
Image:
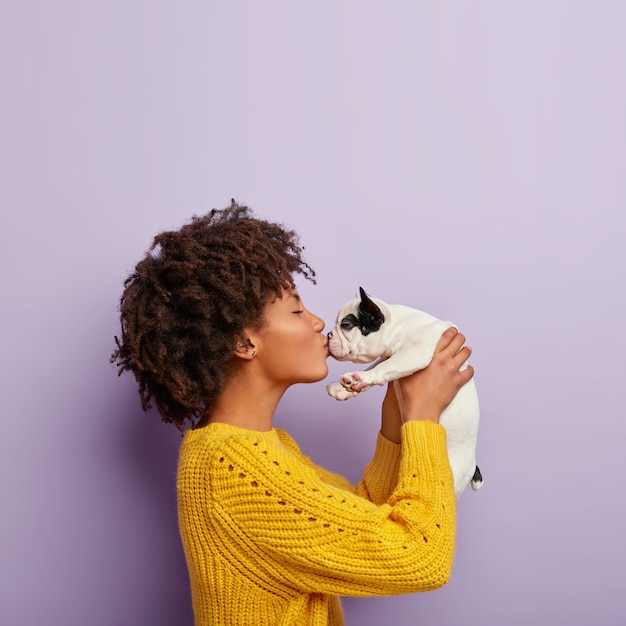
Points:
(424, 453)
(387, 450)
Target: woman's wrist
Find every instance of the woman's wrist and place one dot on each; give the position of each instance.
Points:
(391, 422)
(422, 416)
(415, 409)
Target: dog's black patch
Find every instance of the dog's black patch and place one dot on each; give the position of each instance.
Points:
(370, 317)
(349, 322)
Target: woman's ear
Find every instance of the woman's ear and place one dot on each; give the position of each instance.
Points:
(244, 349)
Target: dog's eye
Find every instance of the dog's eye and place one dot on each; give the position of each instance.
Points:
(348, 322)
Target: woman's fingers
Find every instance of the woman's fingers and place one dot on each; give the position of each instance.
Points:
(462, 355)
(466, 373)
(451, 351)
(451, 341)
(451, 344)
(451, 334)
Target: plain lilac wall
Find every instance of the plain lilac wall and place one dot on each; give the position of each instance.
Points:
(466, 158)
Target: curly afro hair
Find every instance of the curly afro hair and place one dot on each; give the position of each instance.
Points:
(186, 305)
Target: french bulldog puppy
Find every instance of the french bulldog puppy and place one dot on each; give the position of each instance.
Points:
(402, 340)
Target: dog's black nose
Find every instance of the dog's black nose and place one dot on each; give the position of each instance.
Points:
(330, 334)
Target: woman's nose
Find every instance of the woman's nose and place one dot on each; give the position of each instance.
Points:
(318, 324)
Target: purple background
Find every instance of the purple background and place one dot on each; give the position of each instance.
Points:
(465, 158)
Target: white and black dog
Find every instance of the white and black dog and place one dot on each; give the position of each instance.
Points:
(403, 340)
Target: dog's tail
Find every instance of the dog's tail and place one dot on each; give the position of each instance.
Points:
(477, 480)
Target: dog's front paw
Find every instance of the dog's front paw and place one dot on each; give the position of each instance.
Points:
(338, 391)
(356, 381)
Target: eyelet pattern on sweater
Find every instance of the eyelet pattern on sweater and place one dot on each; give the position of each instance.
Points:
(271, 538)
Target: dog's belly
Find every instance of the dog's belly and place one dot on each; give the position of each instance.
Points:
(460, 419)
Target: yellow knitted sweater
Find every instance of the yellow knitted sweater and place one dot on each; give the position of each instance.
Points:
(272, 539)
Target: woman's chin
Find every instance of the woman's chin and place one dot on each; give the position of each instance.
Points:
(321, 375)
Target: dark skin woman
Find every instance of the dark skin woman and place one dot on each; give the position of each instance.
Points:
(215, 331)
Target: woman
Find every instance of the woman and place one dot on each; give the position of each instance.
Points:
(215, 332)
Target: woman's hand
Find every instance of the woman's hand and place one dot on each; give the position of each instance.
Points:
(425, 394)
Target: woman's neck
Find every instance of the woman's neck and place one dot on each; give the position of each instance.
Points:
(247, 403)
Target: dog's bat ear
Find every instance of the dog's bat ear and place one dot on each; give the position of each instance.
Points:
(370, 315)
(368, 306)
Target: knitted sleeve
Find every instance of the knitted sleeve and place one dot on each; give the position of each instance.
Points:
(318, 537)
(380, 475)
